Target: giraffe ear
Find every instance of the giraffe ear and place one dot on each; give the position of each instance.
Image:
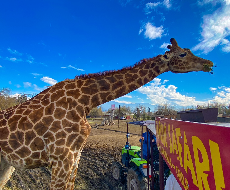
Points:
(173, 42)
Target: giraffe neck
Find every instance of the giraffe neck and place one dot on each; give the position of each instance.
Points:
(93, 90)
(103, 88)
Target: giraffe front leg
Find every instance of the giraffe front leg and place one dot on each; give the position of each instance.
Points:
(64, 173)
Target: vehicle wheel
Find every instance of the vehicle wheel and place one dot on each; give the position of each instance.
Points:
(117, 171)
(135, 181)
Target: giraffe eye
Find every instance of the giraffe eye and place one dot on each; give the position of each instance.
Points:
(183, 54)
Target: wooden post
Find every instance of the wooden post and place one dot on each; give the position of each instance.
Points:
(119, 115)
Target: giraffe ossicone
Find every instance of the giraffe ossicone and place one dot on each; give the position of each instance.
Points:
(51, 128)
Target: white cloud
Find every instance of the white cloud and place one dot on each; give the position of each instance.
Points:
(165, 81)
(202, 2)
(215, 29)
(18, 85)
(38, 88)
(127, 96)
(222, 96)
(213, 89)
(141, 30)
(70, 66)
(122, 102)
(153, 32)
(30, 59)
(16, 95)
(226, 47)
(35, 74)
(0, 66)
(14, 52)
(49, 80)
(150, 6)
(27, 84)
(14, 59)
(167, 4)
(160, 94)
(164, 45)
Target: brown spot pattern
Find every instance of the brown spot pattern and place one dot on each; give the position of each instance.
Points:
(62, 103)
(27, 112)
(111, 79)
(40, 128)
(73, 93)
(37, 144)
(132, 87)
(77, 144)
(29, 136)
(58, 150)
(24, 124)
(4, 133)
(59, 113)
(70, 86)
(95, 101)
(80, 110)
(84, 100)
(36, 115)
(23, 152)
(49, 137)
(35, 155)
(104, 86)
(15, 118)
(49, 109)
(57, 95)
(55, 126)
(60, 135)
(45, 100)
(70, 139)
(117, 85)
(80, 83)
(73, 116)
(3, 122)
(14, 142)
(121, 91)
(47, 121)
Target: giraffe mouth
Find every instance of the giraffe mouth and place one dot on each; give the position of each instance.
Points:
(208, 67)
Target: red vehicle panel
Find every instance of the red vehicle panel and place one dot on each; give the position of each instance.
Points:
(197, 154)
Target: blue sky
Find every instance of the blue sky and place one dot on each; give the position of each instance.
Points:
(45, 42)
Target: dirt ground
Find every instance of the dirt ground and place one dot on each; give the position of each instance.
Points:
(103, 147)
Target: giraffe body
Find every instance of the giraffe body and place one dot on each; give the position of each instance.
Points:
(51, 128)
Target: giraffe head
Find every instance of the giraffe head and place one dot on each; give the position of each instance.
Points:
(183, 60)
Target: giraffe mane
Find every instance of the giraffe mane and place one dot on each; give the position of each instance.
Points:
(106, 73)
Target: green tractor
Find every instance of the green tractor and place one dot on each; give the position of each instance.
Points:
(134, 168)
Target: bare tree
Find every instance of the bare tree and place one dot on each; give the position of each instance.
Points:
(96, 112)
(165, 109)
(6, 101)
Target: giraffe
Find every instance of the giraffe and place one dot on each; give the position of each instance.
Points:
(51, 128)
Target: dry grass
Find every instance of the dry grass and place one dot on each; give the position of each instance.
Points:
(105, 136)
